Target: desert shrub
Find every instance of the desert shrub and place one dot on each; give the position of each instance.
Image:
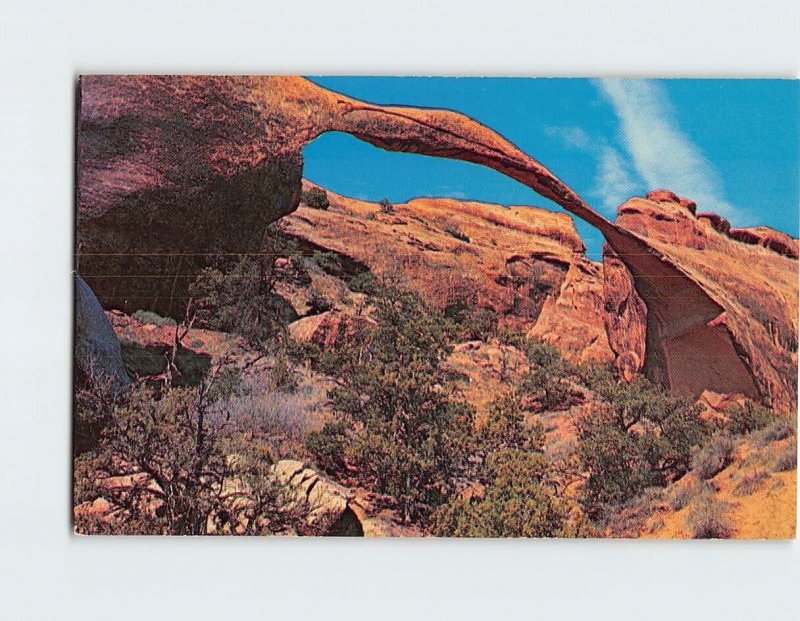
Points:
(472, 324)
(747, 418)
(149, 317)
(780, 429)
(640, 437)
(364, 282)
(453, 231)
(552, 392)
(714, 457)
(238, 299)
(595, 375)
(684, 491)
(707, 518)
(413, 433)
(327, 446)
(328, 262)
(385, 206)
(750, 482)
(619, 465)
(316, 198)
(786, 459)
(505, 427)
(543, 356)
(631, 517)
(515, 503)
(163, 436)
(318, 303)
(92, 406)
(172, 449)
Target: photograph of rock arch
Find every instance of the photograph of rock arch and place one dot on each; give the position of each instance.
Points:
(457, 307)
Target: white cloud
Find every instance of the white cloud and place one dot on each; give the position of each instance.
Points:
(661, 153)
(571, 136)
(615, 182)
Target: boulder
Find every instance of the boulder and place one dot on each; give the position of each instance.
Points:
(331, 329)
(97, 353)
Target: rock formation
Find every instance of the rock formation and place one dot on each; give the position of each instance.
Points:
(173, 168)
(719, 315)
(526, 264)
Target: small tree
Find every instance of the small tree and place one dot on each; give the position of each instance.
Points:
(386, 206)
(407, 436)
(638, 437)
(238, 300)
(317, 198)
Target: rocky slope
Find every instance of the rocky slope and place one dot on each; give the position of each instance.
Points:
(526, 264)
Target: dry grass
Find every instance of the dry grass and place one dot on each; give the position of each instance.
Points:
(750, 482)
(713, 457)
(708, 518)
(682, 493)
(786, 459)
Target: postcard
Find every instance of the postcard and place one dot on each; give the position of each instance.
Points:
(436, 307)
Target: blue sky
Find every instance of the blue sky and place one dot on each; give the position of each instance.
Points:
(733, 146)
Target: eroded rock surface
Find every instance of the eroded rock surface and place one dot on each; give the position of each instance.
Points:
(720, 315)
(172, 168)
(526, 264)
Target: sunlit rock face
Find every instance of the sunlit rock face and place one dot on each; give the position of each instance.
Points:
(173, 169)
(719, 314)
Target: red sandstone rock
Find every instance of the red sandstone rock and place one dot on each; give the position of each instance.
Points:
(769, 238)
(665, 196)
(717, 222)
(721, 316)
(330, 329)
(525, 263)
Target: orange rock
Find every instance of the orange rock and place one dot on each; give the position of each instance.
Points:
(721, 316)
(717, 222)
(330, 329)
(625, 315)
(769, 238)
(665, 196)
(525, 263)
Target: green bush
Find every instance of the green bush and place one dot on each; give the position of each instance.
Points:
(328, 445)
(386, 206)
(642, 437)
(515, 503)
(318, 303)
(238, 300)
(747, 418)
(413, 434)
(505, 427)
(316, 198)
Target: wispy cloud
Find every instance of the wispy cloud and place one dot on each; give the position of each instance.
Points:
(661, 153)
(614, 182)
(576, 137)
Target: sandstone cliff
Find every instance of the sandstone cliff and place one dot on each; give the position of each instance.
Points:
(526, 264)
(173, 168)
(718, 314)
